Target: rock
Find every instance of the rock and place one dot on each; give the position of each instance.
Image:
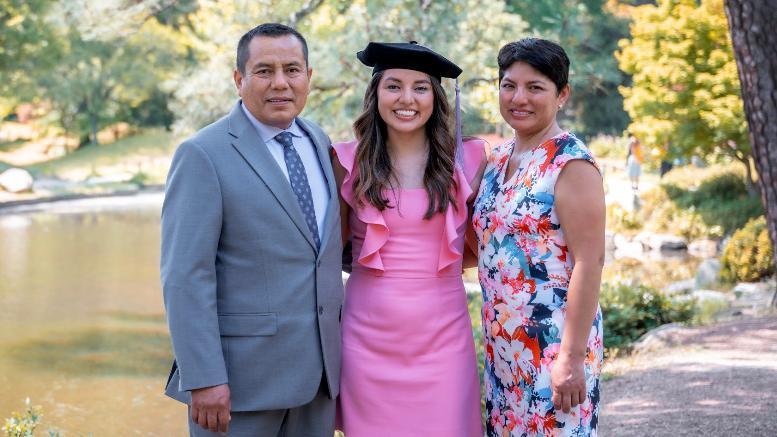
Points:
(680, 286)
(704, 248)
(707, 273)
(702, 295)
(664, 335)
(754, 298)
(16, 180)
(662, 242)
(626, 248)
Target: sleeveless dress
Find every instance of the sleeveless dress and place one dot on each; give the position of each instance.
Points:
(408, 359)
(524, 269)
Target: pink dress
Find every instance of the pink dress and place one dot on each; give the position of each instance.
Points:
(409, 366)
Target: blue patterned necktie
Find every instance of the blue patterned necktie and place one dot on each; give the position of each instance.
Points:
(299, 183)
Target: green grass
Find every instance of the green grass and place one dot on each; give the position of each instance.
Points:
(10, 146)
(147, 153)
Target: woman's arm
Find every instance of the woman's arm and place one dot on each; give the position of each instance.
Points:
(581, 213)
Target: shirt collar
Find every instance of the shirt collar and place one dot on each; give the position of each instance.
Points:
(267, 133)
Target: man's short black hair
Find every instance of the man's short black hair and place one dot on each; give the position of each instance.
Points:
(272, 30)
(545, 56)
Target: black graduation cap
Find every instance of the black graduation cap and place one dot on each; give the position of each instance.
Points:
(411, 56)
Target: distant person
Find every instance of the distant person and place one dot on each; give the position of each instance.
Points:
(251, 254)
(409, 364)
(539, 221)
(634, 162)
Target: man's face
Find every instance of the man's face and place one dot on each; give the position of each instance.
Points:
(276, 82)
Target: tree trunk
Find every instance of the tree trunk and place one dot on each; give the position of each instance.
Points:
(93, 127)
(750, 182)
(753, 24)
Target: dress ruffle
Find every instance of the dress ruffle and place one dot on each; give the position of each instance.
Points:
(377, 233)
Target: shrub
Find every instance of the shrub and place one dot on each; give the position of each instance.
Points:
(748, 255)
(23, 425)
(608, 146)
(696, 203)
(621, 220)
(631, 311)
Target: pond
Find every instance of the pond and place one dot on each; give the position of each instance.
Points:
(82, 330)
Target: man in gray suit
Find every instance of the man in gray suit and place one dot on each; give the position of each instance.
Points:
(251, 253)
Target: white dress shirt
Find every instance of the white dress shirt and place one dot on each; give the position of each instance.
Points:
(307, 152)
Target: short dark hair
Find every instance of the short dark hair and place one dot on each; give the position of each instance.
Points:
(543, 55)
(272, 30)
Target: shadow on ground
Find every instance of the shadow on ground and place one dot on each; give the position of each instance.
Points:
(718, 381)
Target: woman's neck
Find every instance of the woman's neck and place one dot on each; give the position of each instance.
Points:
(406, 143)
(532, 140)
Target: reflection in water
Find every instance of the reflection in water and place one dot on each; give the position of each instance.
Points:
(96, 352)
(656, 272)
(82, 329)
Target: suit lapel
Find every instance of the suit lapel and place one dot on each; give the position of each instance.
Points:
(248, 144)
(322, 149)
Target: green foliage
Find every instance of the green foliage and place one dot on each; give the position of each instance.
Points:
(685, 97)
(23, 424)
(748, 255)
(608, 146)
(92, 67)
(25, 45)
(621, 220)
(696, 203)
(631, 311)
(335, 31)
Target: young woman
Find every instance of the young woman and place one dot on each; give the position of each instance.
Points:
(539, 219)
(409, 365)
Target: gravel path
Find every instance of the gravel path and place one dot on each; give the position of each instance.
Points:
(713, 381)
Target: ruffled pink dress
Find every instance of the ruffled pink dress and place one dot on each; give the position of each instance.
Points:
(408, 366)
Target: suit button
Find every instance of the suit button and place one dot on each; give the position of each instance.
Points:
(320, 310)
(318, 263)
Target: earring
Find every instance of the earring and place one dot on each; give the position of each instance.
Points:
(560, 106)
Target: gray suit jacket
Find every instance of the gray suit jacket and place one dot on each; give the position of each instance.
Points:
(250, 301)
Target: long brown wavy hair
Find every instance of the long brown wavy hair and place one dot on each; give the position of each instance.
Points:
(374, 162)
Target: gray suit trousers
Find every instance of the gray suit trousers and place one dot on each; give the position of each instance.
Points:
(314, 419)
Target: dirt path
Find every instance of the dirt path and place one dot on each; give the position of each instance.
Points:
(713, 381)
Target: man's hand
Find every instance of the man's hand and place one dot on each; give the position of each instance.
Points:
(210, 407)
(567, 380)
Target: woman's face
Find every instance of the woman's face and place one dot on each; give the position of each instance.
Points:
(529, 100)
(405, 100)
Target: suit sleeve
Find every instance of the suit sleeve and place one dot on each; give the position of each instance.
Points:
(191, 226)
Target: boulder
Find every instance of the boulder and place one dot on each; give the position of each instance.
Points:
(707, 273)
(702, 295)
(16, 180)
(680, 287)
(662, 242)
(704, 248)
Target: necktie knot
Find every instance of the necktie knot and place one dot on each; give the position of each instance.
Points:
(284, 138)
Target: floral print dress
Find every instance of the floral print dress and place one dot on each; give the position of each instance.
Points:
(524, 269)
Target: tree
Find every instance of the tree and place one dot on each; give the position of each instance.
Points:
(469, 32)
(685, 95)
(98, 79)
(25, 45)
(753, 24)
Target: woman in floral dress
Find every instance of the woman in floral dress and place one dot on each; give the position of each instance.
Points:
(539, 221)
